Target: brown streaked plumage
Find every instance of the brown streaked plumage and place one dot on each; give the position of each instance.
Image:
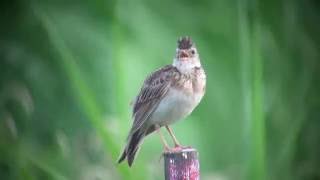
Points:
(167, 95)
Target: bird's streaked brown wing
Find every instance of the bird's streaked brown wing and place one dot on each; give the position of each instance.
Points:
(154, 89)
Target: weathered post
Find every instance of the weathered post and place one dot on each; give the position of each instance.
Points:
(182, 165)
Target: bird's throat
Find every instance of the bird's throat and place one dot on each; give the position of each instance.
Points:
(186, 66)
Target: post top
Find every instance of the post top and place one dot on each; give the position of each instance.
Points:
(181, 150)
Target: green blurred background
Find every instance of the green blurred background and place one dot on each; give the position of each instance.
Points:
(69, 69)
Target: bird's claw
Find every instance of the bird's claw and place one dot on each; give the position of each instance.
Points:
(177, 148)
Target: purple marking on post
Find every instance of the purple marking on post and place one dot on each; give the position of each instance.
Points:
(182, 165)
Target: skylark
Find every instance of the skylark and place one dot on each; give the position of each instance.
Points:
(167, 95)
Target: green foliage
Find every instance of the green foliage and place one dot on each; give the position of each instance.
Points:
(69, 69)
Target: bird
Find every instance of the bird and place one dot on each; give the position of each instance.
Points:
(167, 95)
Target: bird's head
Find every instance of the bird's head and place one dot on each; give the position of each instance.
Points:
(187, 56)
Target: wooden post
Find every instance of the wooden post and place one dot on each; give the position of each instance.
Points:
(182, 165)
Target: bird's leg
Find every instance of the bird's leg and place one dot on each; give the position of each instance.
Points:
(176, 142)
(164, 142)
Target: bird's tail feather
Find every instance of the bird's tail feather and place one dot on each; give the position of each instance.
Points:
(132, 147)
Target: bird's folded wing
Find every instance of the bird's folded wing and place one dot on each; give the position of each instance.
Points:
(154, 89)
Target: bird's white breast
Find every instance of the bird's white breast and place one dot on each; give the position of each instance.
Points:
(175, 106)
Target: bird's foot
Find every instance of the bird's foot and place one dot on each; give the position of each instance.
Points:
(179, 147)
(176, 148)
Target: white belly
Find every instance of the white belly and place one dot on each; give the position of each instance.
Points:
(175, 106)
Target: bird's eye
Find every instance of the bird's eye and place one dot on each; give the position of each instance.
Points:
(193, 52)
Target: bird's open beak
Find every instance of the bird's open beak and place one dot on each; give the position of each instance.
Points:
(183, 55)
